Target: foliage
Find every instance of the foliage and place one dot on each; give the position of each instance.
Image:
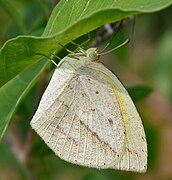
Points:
(21, 67)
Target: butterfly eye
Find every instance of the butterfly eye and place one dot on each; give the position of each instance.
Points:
(92, 54)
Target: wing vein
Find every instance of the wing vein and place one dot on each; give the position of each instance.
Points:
(74, 96)
(102, 134)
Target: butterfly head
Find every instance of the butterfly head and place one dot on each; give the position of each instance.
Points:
(92, 54)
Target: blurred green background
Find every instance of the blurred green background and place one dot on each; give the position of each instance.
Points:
(146, 60)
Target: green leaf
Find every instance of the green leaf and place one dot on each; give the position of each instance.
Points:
(69, 20)
(14, 14)
(138, 92)
(13, 92)
(97, 12)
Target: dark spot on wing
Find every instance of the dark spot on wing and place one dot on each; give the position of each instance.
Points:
(83, 94)
(110, 121)
(70, 87)
(91, 109)
(66, 105)
(136, 153)
(129, 151)
(97, 92)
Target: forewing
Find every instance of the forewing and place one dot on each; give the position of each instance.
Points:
(83, 123)
(135, 157)
(55, 88)
(105, 144)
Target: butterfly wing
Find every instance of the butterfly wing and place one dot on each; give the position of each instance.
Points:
(80, 120)
(135, 156)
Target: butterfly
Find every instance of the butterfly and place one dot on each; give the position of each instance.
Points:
(88, 118)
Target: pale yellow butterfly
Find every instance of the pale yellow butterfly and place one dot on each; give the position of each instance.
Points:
(87, 117)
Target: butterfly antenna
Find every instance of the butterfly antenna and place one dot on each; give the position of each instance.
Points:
(116, 32)
(124, 43)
